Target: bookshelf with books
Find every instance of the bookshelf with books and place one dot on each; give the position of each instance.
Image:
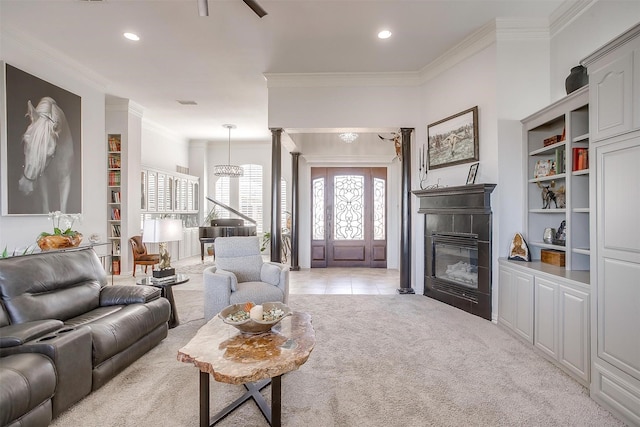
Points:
(114, 199)
(556, 161)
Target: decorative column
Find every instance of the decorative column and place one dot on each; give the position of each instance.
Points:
(405, 232)
(276, 173)
(295, 157)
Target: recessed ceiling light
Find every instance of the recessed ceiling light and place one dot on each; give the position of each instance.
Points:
(384, 34)
(131, 36)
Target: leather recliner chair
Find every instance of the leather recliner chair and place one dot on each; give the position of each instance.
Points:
(27, 384)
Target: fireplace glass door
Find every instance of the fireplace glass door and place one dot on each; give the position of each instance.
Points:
(456, 259)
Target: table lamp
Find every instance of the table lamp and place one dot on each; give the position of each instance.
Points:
(162, 231)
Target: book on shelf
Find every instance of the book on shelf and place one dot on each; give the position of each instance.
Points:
(115, 266)
(115, 230)
(114, 143)
(580, 159)
(552, 140)
(115, 196)
(114, 178)
(560, 161)
(115, 214)
(114, 161)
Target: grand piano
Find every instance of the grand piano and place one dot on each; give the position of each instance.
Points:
(224, 227)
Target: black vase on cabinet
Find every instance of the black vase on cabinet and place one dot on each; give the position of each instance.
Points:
(577, 78)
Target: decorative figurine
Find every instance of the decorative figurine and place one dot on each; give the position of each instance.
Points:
(561, 234)
(548, 195)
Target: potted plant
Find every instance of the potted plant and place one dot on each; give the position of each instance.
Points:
(63, 235)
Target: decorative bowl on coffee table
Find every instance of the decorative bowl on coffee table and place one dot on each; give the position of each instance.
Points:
(253, 326)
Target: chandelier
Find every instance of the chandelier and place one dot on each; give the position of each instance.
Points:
(232, 171)
(348, 137)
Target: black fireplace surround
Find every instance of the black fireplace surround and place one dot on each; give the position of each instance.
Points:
(457, 246)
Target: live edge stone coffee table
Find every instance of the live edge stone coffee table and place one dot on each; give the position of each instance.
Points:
(231, 357)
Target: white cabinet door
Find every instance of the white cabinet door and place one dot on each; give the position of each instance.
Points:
(506, 299)
(515, 302)
(618, 264)
(573, 316)
(612, 110)
(524, 303)
(546, 317)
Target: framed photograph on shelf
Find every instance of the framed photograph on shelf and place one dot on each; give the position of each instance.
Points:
(454, 140)
(543, 168)
(473, 170)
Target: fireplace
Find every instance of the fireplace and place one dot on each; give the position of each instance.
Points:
(458, 246)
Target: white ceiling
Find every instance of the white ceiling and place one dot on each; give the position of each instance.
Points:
(219, 61)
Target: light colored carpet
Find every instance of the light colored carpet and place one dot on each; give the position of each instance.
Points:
(388, 360)
(196, 268)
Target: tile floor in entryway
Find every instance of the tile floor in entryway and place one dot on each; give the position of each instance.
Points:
(341, 280)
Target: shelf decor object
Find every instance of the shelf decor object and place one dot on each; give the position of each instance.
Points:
(162, 231)
(519, 251)
(228, 170)
(473, 171)
(454, 140)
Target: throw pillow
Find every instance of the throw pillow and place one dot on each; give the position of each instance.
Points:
(246, 268)
(270, 274)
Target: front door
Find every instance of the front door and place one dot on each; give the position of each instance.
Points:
(348, 217)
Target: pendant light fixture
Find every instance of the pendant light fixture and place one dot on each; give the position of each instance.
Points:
(229, 170)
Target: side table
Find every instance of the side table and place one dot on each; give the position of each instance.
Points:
(231, 357)
(166, 288)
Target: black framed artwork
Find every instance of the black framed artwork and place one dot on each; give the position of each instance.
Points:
(42, 168)
(454, 140)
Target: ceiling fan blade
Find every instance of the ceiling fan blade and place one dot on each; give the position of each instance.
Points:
(203, 8)
(255, 7)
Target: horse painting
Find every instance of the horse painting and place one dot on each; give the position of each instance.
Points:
(48, 153)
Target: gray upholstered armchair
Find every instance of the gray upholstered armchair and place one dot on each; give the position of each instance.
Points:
(240, 275)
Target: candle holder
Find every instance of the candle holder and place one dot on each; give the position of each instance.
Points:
(422, 167)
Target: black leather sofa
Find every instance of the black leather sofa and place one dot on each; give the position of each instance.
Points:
(62, 324)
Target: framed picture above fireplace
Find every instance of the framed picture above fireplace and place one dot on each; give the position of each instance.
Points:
(454, 140)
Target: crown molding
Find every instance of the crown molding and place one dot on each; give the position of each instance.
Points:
(566, 13)
(475, 42)
(499, 29)
(37, 49)
(123, 105)
(522, 29)
(161, 129)
(614, 44)
(136, 109)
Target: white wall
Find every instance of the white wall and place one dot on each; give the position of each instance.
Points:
(595, 27)
(162, 149)
(21, 231)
